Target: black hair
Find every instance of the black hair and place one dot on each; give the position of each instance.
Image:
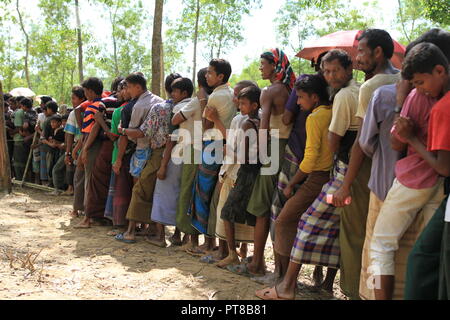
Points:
(252, 93)
(169, 80)
(65, 117)
(337, 54)
(246, 83)
(6, 97)
(56, 117)
(436, 36)
(78, 92)
(184, 84)
(137, 78)
(222, 66)
(122, 84)
(18, 99)
(45, 99)
(27, 103)
(94, 84)
(379, 38)
(51, 105)
(316, 64)
(314, 83)
(422, 59)
(201, 78)
(115, 84)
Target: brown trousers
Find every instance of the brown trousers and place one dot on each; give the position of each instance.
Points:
(287, 222)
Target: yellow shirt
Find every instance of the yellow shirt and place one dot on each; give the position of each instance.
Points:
(318, 156)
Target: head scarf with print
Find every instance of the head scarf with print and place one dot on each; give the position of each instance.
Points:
(283, 69)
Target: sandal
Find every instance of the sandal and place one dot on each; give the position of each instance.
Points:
(269, 294)
(120, 237)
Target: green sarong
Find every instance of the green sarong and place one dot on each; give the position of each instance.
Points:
(263, 191)
(422, 270)
(188, 173)
(353, 232)
(444, 274)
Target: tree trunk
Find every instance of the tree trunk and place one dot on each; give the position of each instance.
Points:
(161, 82)
(27, 45)
(156, 47)
(5, 169)
(80, 43)
(113, 24)
(197, 18)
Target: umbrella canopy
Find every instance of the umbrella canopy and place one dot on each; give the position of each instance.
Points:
(345, 40)
(25, 92)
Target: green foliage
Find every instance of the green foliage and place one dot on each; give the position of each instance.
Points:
(437, 11)
(417, 16)
(251, 72)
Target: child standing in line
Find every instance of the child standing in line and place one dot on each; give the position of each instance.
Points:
(235, 208)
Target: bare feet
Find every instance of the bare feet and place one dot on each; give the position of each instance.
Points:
(242, 252)
(318, 276)
(252, 268)
(230, 260)
(85, 224)
(74, 214)
(156, 241)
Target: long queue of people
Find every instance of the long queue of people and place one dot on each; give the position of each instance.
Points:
(344, 176)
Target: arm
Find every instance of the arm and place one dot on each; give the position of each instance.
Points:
(266, 107)
(69, 146)
(123, 143)
(161, 174)
(334, 141)
(288, 117)
(133, 133)
(89, 142)
(79, 117)
(178, 119)
(356, 159)
(439, 161)
(213, 117)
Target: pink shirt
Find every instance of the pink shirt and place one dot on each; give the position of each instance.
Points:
(412, 171)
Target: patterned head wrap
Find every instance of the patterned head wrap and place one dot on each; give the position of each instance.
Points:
(283, 69)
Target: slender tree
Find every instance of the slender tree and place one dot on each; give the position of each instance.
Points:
(197, 18)
(157, 47)
(80, 42)
(27, 45)
(5, 169)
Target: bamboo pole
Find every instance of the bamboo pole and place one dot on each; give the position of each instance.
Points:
(5, 166)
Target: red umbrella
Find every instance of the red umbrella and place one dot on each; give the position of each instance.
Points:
(346, 40)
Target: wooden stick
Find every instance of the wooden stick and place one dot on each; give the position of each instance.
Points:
(33, 185)
(28, 160)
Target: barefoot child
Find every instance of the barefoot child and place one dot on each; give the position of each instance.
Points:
(235, 208)
(314, 171)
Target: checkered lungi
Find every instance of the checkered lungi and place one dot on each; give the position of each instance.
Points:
(317, 240)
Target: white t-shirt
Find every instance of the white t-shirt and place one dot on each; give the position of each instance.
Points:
(222, 100)
(192, 112)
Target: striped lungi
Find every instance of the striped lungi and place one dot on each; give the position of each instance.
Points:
(205, 182)
(317, 240)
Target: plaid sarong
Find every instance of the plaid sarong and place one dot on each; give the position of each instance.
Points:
(317, 240)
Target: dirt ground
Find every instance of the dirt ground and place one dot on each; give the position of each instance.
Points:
(43, 257)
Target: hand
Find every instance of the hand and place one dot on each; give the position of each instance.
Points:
(287, 192)
(68, 160)
(340, 196)
(211, 114)
(75, 155)
(404, 128)
(161, 174)
(117, 166)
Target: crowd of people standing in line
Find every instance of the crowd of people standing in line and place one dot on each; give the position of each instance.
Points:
(361, 184)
